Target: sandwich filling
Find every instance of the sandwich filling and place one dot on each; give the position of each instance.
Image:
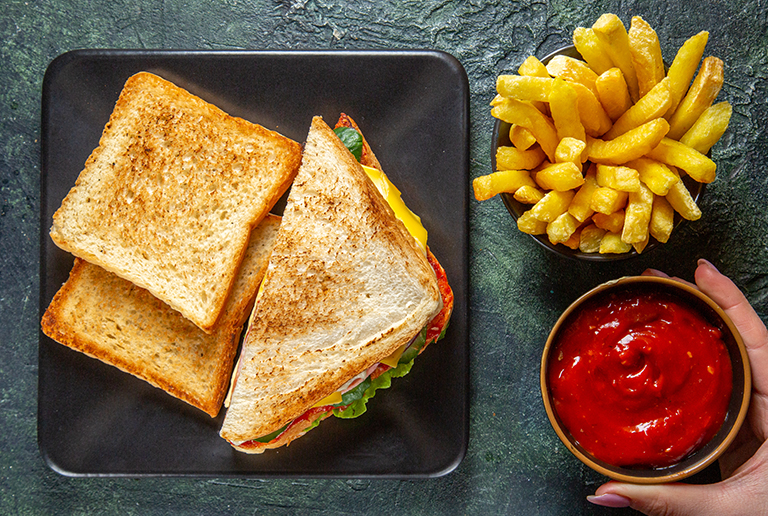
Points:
(349, 401)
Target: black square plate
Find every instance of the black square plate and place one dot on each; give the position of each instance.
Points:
(413, 106)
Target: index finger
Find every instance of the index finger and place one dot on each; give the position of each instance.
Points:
(754, 333)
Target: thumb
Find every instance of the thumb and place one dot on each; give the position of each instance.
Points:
(666, 500)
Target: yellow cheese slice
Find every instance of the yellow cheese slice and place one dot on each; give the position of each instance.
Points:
(332, 399)
(393, 359)
(392, 195)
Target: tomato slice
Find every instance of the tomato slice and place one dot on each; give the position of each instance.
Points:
(308, 416)
(440, 321)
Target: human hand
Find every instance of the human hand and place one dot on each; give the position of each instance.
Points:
(744, 466)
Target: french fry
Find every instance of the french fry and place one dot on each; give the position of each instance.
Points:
(654, 174)
(606, 200)
(562, 99)
(571, 150)
(552, 205)
(589, 47)
(561, 229)
(682, 201)
(573, 240)
(595, 120)
(521, 137)
(489, 185)
(528, 194)
(572, 70)
(709, 127)
(526, 115)
(612, 243)
(645, 50)
(580, 204)
(613, 93)
(683, 67)
(529, 224)
(524, 88)
(651, 106)
(633, 144)
(700, 96)
(662, 219)
(560, 177)
(640, 246)
(512, 158)
(532, 67)
(615, 41)
(589, 239)
(618, 177)
(676, 154)
(613, 222)
(637, 216)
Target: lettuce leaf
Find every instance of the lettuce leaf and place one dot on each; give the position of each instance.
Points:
(351, 139)
(413, 351)
(355, 394)
(314, 424)
(384, 381)
(271, 436)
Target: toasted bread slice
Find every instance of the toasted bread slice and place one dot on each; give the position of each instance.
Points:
(345, 287)
(169, 197)
(111, 319)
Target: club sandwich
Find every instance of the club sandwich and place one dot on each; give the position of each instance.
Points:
(352, 294)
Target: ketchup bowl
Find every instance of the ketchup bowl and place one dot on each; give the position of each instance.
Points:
(645, 379)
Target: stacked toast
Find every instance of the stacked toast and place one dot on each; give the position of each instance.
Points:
(170, 224)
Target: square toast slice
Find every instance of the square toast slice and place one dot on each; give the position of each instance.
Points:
(111, 319)
(168, 199)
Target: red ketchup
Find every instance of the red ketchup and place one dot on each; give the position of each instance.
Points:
(640, 379)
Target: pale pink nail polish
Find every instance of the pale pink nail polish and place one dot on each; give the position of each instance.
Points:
(609, 500)
(702, 261)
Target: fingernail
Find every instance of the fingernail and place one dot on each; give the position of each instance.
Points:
(706, 263)
(654, 272)
(609, 500)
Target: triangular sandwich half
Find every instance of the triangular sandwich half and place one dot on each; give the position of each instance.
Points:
(346, 288)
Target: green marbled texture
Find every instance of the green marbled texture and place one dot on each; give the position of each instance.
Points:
(515, 464)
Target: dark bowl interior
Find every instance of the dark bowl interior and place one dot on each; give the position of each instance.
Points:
(740, 394)
(500, 138)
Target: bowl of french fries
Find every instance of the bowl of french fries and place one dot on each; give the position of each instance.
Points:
(600, 149)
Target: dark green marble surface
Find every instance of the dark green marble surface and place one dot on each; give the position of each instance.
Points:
(514, 464)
